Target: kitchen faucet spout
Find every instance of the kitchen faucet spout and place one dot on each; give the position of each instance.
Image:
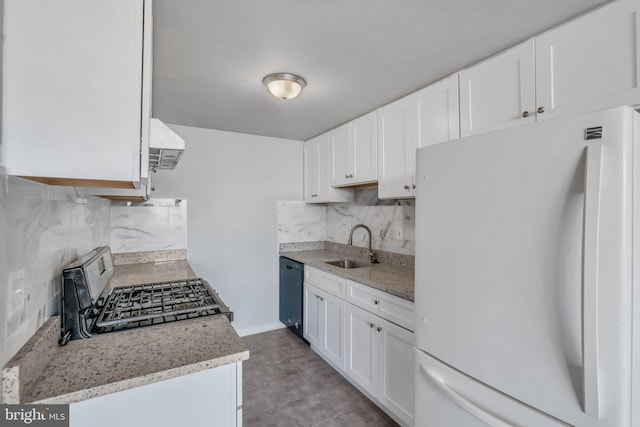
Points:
(372, 256)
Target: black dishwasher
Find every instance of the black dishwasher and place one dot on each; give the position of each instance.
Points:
(291, 281)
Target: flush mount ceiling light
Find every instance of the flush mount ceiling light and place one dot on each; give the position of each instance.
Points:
(284, 85)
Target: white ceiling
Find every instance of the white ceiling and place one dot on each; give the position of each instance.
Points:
(210, 55)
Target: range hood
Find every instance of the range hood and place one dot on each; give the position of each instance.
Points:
(165, 146)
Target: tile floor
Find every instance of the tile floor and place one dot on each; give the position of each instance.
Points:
(288, 385)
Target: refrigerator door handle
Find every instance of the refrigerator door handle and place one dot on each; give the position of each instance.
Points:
(591, 236)
(465, 404)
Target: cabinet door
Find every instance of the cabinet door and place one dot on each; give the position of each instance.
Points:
(312, 311)
(436, 114)
(362, 348)
(396, 347)
(363, 138)
(311, 171)
(591, 63)
(394, 139)
(333, 336)
(72, 90)
(435, 118)
(340, 156)
(326, 193)
(496, 93)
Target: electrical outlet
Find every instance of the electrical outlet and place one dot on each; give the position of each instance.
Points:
(399, 232)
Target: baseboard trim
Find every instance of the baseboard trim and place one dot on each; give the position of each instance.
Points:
(243, 332)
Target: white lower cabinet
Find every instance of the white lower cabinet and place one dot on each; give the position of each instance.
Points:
(363, 341)
(311, 309)
(380, 359)
(324, 324)
(362, 357)
(207, 398)
(396, 349)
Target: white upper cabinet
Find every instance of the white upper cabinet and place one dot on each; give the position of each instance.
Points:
(73, 93)
(363, 137)
(588, 64)
(317, 173)
(311, 173)
(355, 152)
(340, 155)
(426, 117)
(436, 114)
(499, 92)
(395, 144)
(591, 63)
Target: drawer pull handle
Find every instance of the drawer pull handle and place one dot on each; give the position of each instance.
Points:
(379, 329)
(376, 302)
(371, 325)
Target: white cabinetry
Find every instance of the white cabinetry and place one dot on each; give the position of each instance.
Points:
(591, 63)
(395, 144)
(390, 307)
(362, 357)
(75, 107)
(423, 118)
(208, 398)
(324, 315)
(317, 173)
(499, 92)
(588, 64)
(355, 328)
(380, 360)
(435, 114)
(355, 152)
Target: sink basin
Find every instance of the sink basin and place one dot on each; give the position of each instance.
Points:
(348, 263)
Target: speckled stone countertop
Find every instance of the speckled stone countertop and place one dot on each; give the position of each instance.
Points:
(388, 277)
(107, 363)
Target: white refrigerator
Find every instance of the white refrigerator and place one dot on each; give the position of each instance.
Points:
(527, 276)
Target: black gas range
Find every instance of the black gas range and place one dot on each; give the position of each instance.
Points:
(90, 306)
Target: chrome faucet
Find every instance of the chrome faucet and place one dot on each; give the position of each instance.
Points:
(372, 256)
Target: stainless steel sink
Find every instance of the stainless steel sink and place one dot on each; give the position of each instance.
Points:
(348, 263)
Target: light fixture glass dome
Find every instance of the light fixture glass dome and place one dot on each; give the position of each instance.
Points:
(284, 85)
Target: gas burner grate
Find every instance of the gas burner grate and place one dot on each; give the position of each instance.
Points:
(129, 307)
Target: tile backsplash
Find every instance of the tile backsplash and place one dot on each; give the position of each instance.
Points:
(46, 228)
(301, 222)
(392, 222)
(159, 224)
(387, 219)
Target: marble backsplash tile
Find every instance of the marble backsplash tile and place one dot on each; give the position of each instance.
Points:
(46, 228)
(385, 218)
(159, 224)
(301, 222)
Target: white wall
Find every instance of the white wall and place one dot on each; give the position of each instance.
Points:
(232, 183)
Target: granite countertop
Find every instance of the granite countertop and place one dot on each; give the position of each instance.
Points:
(388, 277)
(43, 372)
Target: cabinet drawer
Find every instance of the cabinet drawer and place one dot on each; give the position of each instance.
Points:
(325, 281)
(387, 306)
